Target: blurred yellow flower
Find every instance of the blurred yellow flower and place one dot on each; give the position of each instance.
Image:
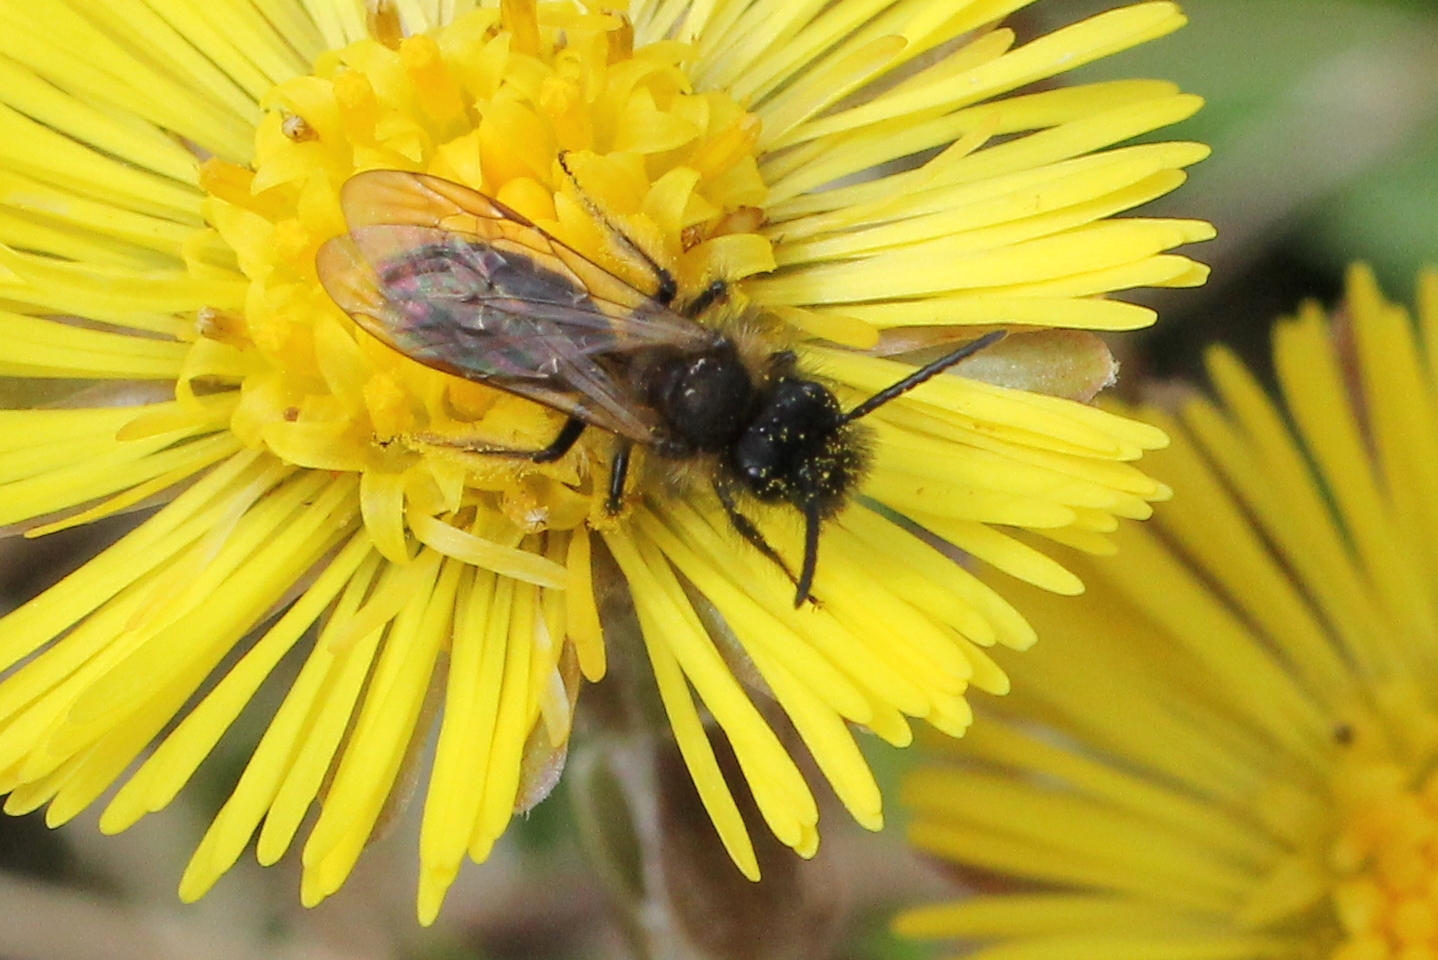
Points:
(1227, 748)
(313, 490)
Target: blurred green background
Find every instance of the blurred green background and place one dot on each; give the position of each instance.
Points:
(1323, 118)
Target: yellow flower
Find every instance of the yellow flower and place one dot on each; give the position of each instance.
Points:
(1237, 725)
(315, 475)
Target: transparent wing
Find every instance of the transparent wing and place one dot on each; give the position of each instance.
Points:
(459, 282)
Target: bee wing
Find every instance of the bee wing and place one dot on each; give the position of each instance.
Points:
(461, 283)
(516, 347)
(399, 198)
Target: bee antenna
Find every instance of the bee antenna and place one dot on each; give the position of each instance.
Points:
(922, 374)
(812, 523)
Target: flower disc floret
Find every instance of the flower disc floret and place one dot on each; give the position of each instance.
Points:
(560, 119)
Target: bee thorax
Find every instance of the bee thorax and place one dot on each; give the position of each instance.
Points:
(705, 399)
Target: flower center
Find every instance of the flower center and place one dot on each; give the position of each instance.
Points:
(553, 112)
(1386, 856)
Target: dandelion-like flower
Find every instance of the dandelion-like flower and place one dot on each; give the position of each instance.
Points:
(171, 174)
(1227, 747)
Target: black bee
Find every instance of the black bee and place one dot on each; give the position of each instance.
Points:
(459, 282)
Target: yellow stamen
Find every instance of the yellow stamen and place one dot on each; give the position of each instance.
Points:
(382, 19)
(520, 18)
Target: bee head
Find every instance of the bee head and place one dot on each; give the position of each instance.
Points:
(802, 449)
(798, 448)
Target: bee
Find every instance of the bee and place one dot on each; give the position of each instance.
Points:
(459, 282)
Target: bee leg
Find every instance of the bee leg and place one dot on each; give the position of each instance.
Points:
(562, 444)
(710, 295)
(618, 471)
(750, 532)
(568, 434)
(666, 288)
(813, 522)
